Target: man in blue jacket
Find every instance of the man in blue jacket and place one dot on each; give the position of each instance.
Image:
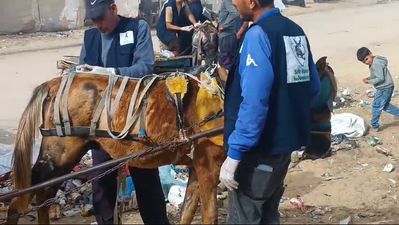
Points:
(267, 111)
(121, 46)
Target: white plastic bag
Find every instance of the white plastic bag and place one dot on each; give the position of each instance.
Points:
(176, 195)
(348, 124)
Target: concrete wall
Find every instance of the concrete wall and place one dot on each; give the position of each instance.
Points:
(50, 15)
(19, 15)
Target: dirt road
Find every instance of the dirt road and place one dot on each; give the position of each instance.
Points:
(363, 190)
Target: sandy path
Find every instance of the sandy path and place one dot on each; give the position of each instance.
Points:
(20, 74)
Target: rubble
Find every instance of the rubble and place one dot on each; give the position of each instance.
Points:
(341, 142)
(330, 177)
(384, 151)
(346, 220)
(298, 203)
(389, 168)
(374, 141)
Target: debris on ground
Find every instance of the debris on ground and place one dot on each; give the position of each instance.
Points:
(6, 154)
(298, 203)
(346, 220)
(341, 142)
(389, 168)
(350, 125)
(320, 211)
(374, 141)
(364, 103)
(330, 177)
(176, 195)
(172, 176)
(384, 151)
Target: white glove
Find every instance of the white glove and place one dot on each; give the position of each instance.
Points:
(227, 172)
(187, 28)
(197, 24)
(96, 70)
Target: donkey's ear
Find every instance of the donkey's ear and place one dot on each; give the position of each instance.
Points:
(321, 64)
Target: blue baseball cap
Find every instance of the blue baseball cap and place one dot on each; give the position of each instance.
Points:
(95, 9)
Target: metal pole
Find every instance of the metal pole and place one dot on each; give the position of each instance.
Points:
(105, 165)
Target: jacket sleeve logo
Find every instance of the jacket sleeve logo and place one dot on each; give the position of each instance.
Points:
(297, 55)
(251, 61)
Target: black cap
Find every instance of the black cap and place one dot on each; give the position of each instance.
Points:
(362, 53)
(96, 8)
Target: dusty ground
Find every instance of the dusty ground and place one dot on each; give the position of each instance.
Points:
(336, 30)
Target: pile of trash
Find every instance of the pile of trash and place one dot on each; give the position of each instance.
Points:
(346, 128)
(344, 99)
(174, 182)
(6, 152)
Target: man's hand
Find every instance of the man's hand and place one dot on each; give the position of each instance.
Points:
(227, 172)
(196, 25)
(239, 35)
(366, 81)
(96, 70)
(187, 28)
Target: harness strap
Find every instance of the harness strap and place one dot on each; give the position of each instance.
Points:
(57, 115)
(84, 132)
(65, 114)
(133, 116)
(118, 97)
(96, 116)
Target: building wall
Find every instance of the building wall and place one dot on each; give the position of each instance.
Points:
(50, 15)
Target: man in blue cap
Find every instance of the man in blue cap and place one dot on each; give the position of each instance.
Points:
(122, 46)
(267, 111)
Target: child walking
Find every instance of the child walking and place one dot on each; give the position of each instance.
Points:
(381, 79)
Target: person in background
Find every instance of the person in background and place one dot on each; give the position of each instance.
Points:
(268, 99)
(145, 8)
(122, 46)
(172, 29)
(197, 9)
(231, 30)
(381, 79)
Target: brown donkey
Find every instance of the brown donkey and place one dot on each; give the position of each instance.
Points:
(59, 155)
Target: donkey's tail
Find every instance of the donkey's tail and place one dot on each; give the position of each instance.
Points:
(27, 131)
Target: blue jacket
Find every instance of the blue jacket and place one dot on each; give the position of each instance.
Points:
(129, 49)
(270, 89)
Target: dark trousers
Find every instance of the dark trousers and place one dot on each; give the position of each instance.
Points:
(261, 186)
(149, 193)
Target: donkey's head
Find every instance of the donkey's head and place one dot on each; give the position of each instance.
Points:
(205, 41)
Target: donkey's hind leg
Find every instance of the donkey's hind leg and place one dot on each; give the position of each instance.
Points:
(191, 199)
(41, 197)
(12, 213)
(208, 159)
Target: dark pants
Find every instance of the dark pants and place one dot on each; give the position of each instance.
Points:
(261, 186)
(228, 48)
(149, 193)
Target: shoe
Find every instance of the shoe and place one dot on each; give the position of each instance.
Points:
(376, 129)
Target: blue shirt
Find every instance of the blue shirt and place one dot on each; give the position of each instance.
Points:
(256, 82)
(143, 60)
